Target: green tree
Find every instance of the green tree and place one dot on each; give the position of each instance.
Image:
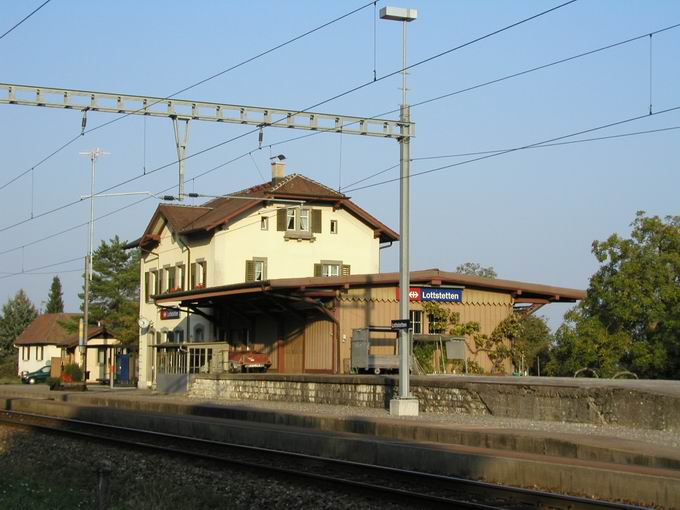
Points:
(630, 318)
(497, 345)
(472, 268)
(584, 342)
(114, 291)
(55, 301)
(17, 314)
(533, 342)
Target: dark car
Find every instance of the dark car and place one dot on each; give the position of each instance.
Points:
(38, 376)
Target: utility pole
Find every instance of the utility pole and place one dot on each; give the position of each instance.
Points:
(93, 154)
(406, 404)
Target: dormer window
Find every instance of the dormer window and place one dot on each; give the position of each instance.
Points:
(304, 220)
(299, 222)
(291, 219)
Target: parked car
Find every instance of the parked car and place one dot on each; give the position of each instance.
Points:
(248, 361)
(38, 376)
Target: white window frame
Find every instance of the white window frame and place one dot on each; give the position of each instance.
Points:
(334, 226)
(305, 216)
(291, 217)
(331, 269)
(179, 335)
(39, 352)
(26, 353)
(260, 269)
(416, 317)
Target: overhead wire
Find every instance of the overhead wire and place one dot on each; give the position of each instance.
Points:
(342, 94)
(519, 148)
(25, 18)
(28, 271)
(187, 88)
(493, 151)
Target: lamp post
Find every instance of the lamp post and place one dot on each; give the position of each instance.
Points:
(93, 154)
(405, 404)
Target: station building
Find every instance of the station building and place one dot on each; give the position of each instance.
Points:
(288, 268)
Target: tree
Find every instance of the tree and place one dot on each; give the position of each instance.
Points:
(475, 269)
(533, 342)
(630, 318)
(114, 291)
(17, 314)
(497, 345)
(584, 342)
(55, 302)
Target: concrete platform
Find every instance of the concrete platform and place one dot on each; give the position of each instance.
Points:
(630, 403)
(599, 462)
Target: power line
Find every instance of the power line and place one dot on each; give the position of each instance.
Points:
(464, 154)
(185, 89)
(494, 151)
(28, 271)
(25, 18)
(349, 91)
(522, 147)
(570, 142)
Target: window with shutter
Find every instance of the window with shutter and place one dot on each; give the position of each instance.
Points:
(204, 273)
(318, 268)
(250, 270)
(316, 221)
(281, 220)
(179, 283)
(156, 282)
(147, 286)
(192, 275)
(345, 270)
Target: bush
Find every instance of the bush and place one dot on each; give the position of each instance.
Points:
(8, 369)
(72, 373)
(53, 382)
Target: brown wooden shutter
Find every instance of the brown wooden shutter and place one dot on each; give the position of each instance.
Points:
(157, 283)
(205, 273)
(345, 270)
(147, 280)
(250, 270)
(281, 219)
(316, 221)
(192, 275)
(317, 270)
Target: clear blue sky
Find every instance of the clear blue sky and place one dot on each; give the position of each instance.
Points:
(531, 214)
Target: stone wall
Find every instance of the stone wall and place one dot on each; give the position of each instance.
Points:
(361, 391)
(566, 403)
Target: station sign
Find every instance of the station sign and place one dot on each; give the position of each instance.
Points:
(169, 313)
(434, 294)
(401, 324)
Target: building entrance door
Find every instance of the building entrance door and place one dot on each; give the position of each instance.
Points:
(294, 347)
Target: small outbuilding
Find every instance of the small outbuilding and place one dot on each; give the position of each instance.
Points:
(44, 339)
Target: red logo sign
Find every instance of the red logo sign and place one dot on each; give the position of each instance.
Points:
(414, 294)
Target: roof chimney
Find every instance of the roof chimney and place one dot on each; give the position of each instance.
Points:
(278, 170)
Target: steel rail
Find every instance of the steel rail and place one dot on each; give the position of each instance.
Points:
(510, 497)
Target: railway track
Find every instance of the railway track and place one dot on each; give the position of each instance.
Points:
(408, 488)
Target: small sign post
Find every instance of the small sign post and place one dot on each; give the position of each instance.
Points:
(401, 325)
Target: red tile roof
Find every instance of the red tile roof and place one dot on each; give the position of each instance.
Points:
(191, 219)
(47, 329)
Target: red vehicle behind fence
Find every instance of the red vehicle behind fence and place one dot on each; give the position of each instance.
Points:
(248, 361)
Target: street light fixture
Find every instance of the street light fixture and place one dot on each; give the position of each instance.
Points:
(93, 154)
(405, 404)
